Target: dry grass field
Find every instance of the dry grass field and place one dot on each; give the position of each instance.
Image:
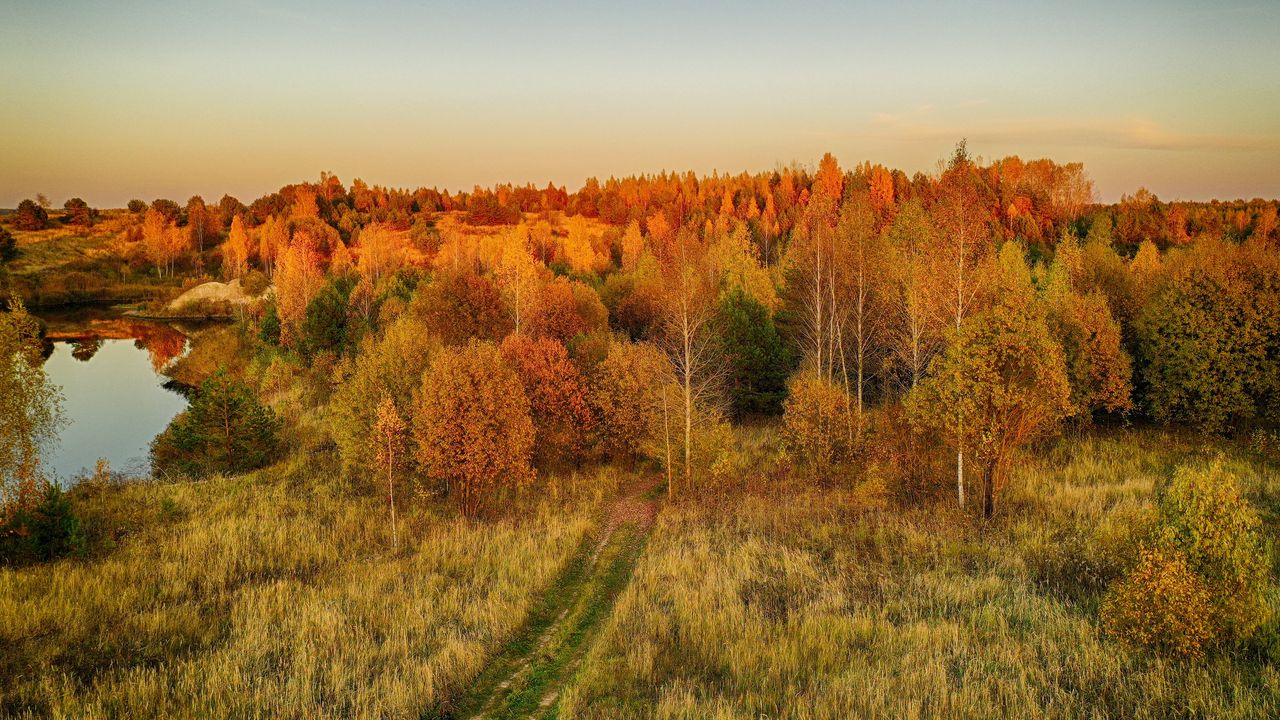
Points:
(821, 604)
(270, 595)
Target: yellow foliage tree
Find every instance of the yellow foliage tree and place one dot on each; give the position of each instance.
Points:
(738, 260)
(298, 280)
(235, 251)
(1002, 381)
(381, 250)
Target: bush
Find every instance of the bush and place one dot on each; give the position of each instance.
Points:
(46, 531)
(255, 283)
(30, 216)
(1206, 518)
(1161, 604)
(1202, 577)
(817, 428)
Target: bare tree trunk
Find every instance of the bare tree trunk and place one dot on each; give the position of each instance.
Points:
(817, 306)
(989, 490)
(391, 492)
(862, 338)
(666, 430)
(831, 320)
(848, 403)
(688, 422)
(959, 418)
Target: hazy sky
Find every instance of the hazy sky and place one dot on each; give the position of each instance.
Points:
(114, 100)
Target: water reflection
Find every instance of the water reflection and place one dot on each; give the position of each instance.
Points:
(115, 397)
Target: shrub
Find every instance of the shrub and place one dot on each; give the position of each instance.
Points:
(472, 426)
(1161, 604)
(1202, 577)
(78, 212)
(255, 283)
(8, 245)
(30, 216)
(817, 428)
(1204, 516)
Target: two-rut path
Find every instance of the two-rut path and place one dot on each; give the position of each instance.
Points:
(526, 678)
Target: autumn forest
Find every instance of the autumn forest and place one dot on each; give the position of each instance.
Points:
(821, 441)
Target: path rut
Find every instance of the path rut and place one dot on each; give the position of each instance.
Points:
(525, 679)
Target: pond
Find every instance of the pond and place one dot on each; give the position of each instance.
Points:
(115, 397)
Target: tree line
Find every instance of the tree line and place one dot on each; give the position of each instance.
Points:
(874, 303)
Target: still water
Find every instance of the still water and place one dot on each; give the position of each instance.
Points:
(115, 402)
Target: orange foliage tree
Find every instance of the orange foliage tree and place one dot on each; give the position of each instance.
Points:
(458, 306)
(162, 241)
(473, 427)
(564, 309)
(562, 418)
(830, 179)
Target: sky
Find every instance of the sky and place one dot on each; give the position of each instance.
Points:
(112, 101)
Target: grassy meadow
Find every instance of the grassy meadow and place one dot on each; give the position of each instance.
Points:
(276, 595)
(833, 604)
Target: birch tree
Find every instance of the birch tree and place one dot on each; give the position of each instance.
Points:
(913, 332)
(30, 407)
(1001, 383)
(962, 245)
(691, 286)
(863, 256)
(390, 435)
